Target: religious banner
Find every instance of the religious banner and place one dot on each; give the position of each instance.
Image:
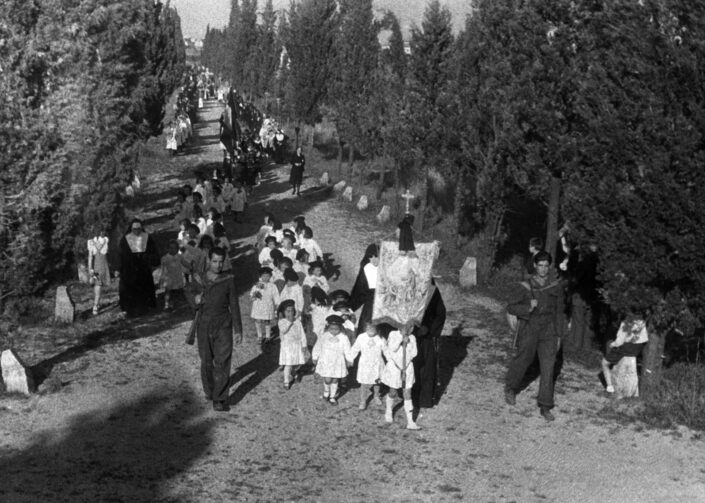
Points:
(404, 285)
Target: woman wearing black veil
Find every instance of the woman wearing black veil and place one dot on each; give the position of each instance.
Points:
(138, 256)
(363, 291)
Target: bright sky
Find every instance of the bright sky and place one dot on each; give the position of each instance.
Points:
(197, 14)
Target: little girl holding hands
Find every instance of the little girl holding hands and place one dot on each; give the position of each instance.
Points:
(392, 375)
(293, 350)
(330, 357)
(369, 345)
(265, 299)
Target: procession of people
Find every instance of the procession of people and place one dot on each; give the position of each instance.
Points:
(339, 336)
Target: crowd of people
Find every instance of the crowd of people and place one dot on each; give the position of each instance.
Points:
(315, 329)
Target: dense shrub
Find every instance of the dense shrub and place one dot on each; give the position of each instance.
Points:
(679, 398)
(83, 83)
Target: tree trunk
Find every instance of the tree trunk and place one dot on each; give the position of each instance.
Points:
(554, 200)
(653, 361)
(340, 158)
(488, 238)
(458, 204)
(351, 160)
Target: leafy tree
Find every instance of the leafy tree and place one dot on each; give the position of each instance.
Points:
(395, 56)
(639, 188)
(309, 44)
(431, 50)
(81, 82)
(356, 53)
(268, 50)
(246, 48)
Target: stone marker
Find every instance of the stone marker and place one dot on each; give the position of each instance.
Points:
(338, 187)
(384, 214)
(468, 273)
(625, 378)
(15, 375)
(325, 179)
(347, 194)
(362, 204)
(65, 309)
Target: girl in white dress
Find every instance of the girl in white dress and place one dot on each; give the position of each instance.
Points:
(301, 265)
(392, 375)
(227, 192)
(319, 312)
(293, 350)
(330, 357)
(239, 201)
(310, 245)
(172, 274)
(98, 270)
(265, 299)
(316, 277)
(369, 345)
(264, 231)
(287, 248)
(265, 258)
(292, 290)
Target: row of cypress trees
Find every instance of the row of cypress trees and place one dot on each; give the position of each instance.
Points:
(84, 83)
(593, 108)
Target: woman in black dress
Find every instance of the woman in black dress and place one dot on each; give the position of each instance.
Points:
(138, 256)
(298, 162)
(363, 292)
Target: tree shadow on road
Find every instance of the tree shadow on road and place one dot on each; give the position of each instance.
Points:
(128, 453)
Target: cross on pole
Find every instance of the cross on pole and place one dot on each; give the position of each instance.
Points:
(408, 196)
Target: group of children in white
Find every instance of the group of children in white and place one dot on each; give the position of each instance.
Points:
(293, 292)
(199, 231)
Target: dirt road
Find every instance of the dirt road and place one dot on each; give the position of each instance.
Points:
(130, 422)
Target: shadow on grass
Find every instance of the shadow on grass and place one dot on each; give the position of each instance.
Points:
(128, 453)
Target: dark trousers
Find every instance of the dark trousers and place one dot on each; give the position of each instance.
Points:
(531, 342)
(581, 334)
(215, 348)
(423, 391)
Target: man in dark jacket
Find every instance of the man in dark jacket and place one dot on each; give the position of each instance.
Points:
(218, 322)
(538, 304)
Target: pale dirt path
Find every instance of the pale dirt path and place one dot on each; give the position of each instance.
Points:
(130, 423)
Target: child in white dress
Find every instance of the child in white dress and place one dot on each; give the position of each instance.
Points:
(343, 310)
(369, 345)
(227, 192)
(264, 231)
(292, 290)
(392, 375)
(301, 265)
(319, 311)
(293, 350)
(316, 277)
(265, 258)
(172, 274)
(330, 357)
(311, 246)
(265, 299)
(287, 248)
(239, 201)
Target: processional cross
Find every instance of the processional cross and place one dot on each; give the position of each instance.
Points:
(408, 196)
